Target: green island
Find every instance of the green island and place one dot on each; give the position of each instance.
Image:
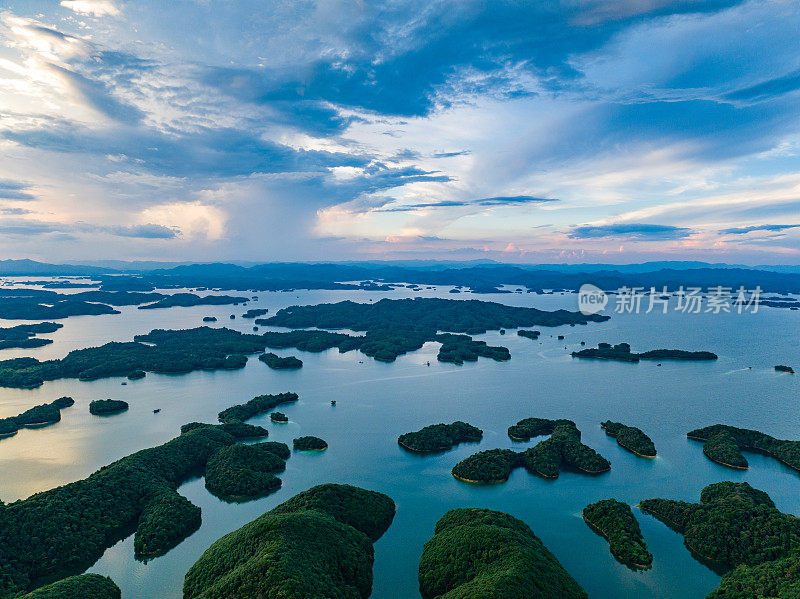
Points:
(316, 544)
(309, 443)
(563, 449)
(37, 416)
(487, 467)
(239, 430)
(209, 319)
(83, 586)
(186, 300)
(255, 312)
(279, 417)
(782, 368)
(482, 553)
(258, 405)
(102, 407)
(413, 323)
(276, 362)
(724, 445)
(615, 521)
(440, 437)
(529, 334)
(621, 352)
(631, 438)
(61, 532)
(736, 526)
(162, 351)
(136, 375)
(243, 472)
(23, 336)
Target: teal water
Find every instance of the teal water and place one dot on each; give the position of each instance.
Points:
(376, 402)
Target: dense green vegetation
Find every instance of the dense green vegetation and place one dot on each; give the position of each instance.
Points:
(317, 544)
(238, 430)
(186, 300)
(733, 524)
(209, 319)
(36, 416)
(772, 580)
(563, 449)
(255, 312)
(529, 334)
(276, 362)
(62, 531)
(440, 437)
(622, 353)
(395, 327)
(23, 336)
(309, 443)
(244, 472)
(527, 428)
(85, 586)
(490, 466)
(278, 417)
(161, 351)
(31, 308)
(100, 407)
(782, 368)
(136, 375)
(257, 405)
(482, 553)
(729, 442)
(631, 438)
(615, 521)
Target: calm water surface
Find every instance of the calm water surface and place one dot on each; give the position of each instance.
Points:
(376, 402)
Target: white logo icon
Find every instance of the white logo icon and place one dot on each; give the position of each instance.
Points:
(591, 299)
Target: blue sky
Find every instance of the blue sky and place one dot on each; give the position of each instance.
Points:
(581, 130)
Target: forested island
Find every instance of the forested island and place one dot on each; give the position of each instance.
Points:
(309, 443)
(186, 300)
(162, 351)
(255, 312)
(724, 445)
(563, 449)
(104, 407)
(36, 416)
(621, 352)
(440, 437)
(209, 319)
(23, 336)
(258, 405)
(243, 472)
(631, 438)
(62, 531)
(482, 553)
(737, 526)
(136, 375)
(615, 521)
(782, 368)
(276, 362)
(84, 586)
(317, 544)
(529, 334)
(279, 417)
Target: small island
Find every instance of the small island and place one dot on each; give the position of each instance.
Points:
(258, 405)
(615, 521)
(107, 407)
(279, 417)
(309, 443)
(136, 375)
(528, 428)
(477, 552)
(528, 334)
(782, 368)
(83, 586)
(276, 362)
(23, 336)
(724, 444)
(622, 353)
(563, 449)
(630, 438)
(255, 312)
(209, 319)
(36, 417)
(240, 473)
(487, 467)
(316, 544)
(440, 437)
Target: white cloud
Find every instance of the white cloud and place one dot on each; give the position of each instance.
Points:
(95, 8)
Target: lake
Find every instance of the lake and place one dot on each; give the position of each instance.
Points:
(376, 402)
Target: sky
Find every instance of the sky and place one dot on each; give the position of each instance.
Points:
(519, 131)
